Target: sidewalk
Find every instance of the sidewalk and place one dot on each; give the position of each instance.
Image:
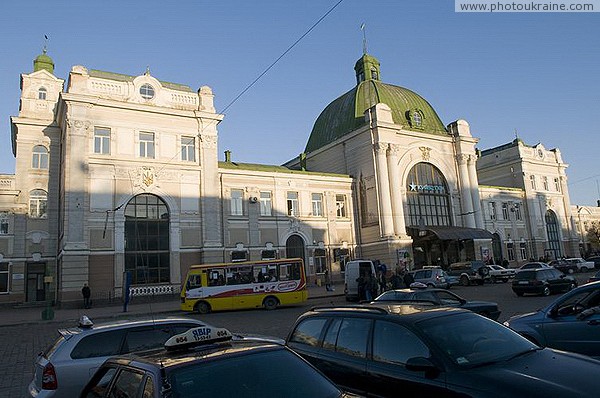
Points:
(161, 305)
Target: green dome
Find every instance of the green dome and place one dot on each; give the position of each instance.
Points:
(346, 113)
(43, 61)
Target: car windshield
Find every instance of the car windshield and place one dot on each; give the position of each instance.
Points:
(470, 340)
(392, 295)
(274, 373)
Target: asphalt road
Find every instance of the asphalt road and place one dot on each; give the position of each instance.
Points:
(21, 343)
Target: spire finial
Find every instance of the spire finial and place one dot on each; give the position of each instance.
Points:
(147, 73)
(45, 49)
(362, 27)
(516, 135)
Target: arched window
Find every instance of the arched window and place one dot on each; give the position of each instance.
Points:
(42, 93)
(427, 196)
(147, 254)
(39, 157)
(552, 231)
(38, 202)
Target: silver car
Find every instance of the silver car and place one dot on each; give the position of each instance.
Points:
(65, 367)
(431, 276)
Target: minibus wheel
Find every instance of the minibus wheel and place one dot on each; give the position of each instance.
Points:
(270, 303)
(203, 307)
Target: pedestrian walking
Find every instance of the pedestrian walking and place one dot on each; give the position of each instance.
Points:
(328, 281)
(86, 293)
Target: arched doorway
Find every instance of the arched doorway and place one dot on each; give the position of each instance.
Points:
(294, 247)
(147, 254)
(554, 250)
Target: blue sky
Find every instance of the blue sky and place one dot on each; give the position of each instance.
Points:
(533, 72)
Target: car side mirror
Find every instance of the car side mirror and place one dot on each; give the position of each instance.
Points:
(553, 313)
(420, 364)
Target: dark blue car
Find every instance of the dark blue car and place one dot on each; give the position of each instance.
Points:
(570, 323)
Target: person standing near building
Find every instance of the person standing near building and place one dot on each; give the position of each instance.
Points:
(86, 293)
(328, 281)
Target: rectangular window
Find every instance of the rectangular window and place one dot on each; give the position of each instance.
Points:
(545, 182)
(147, 145)
(266, 205)
(292, 204)
(237, 196)
(102, 140)
(532, 180)
(505, 211)
(492, 210)
(510, 251)
(188, 149)
(517, 208)
(340, 206)
(320, 261)
(3, 224)
(523, 249)
(3, 277)
(317, 204)
(557, 184)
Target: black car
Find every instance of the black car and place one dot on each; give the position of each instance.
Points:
(441, 297)
(563, 266)
(595, 260)
(570, 323)
(542, 281)
(416, 351)
(594, 278)
(210, 362)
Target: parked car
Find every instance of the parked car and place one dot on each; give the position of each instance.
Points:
(451, 280)
(582, 265)
(542, 281)
(595, 260)
(533, 265)
(210, 362)
(440, 297)
(430, 276)
(563, 324)
(415, 351)
(499, 273)
(564, 266)
(469, 272)
(63, 368)
(594, 278)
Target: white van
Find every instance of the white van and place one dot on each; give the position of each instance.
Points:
(354, 270)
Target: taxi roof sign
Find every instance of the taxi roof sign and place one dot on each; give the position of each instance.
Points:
(198, 336)
(85, 322)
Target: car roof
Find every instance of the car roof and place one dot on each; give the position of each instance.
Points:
(409, 312)
(126, 324)
(167, 358)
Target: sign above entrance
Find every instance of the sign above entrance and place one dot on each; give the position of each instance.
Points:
(427, 188)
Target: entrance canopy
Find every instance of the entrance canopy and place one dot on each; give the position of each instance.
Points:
(448, 233)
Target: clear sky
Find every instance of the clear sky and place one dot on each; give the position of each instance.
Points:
(536, 73)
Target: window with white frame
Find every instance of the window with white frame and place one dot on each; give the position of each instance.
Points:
(4, 278)
(340, 206)
(492, 210)
(557, 184)
(517, 209)
(523, 249)
(266, 204)
(188, 149)
(320, 260)
(147, 145)
(42, 93)
(292, 204)
(545, 182)
(237, 201)
(38, 201)
(505, 211)
(510, 251)
(3, 223)
(39, 157)
(102, 140)
(317, 204)
(532, 180)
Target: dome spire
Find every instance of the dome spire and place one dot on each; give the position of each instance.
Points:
(43, 61)
(362, 27)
